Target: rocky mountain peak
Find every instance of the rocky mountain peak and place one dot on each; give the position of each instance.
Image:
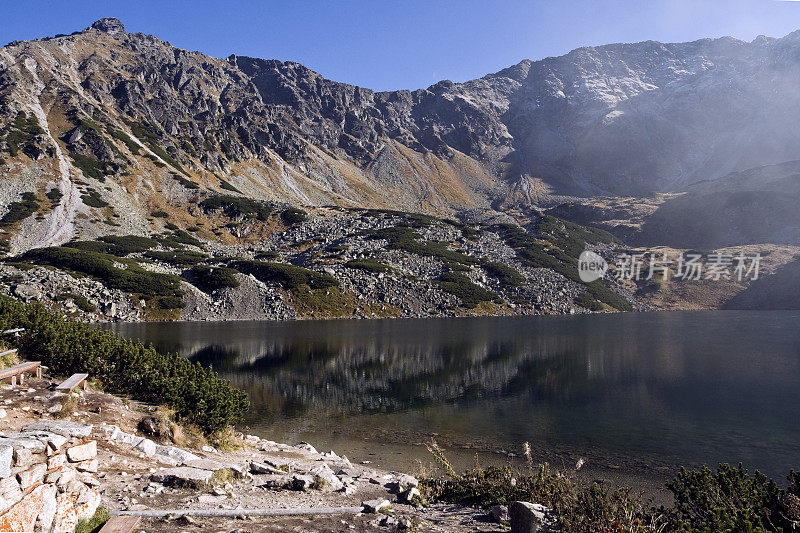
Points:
(109, 25)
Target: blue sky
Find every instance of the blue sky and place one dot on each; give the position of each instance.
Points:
(406, 44)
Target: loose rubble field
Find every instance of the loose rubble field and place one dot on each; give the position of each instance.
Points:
(136, 473)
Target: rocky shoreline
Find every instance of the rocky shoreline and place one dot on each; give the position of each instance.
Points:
(139, 472)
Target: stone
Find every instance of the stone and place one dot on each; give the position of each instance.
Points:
(65, 517)
(307, 447)
(8, 484)
(6, 458)
(66, 476)
(30, 477)
(209, 449)
(146, 446)
(404, 523)
(499, 513)
(21, 440)
(87, 466)
(409, 496)
(374, 506)
(275, 481)
(530, 517)
(325, 473)
(176, 453)
(388, 521)
(301, 482)
(45, 519)
(262, 468)
(3, 413)
(82, 452)
(204, 464)
(59, 427)
(22, 515)
(56, 461)
(207, 498)
(88, 479)
(55, 408)
(109, 432)
(183, 476)
(24, 457)
(163, 459)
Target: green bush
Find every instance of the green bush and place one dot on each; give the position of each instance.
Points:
(128, 244)
(236, 206)
(149, 136)
(122, 366)
(407, 239)
(22, 132)
(179, 237)
(20, 210)
(463, 288)
(587, 301)
(556, 246)
(179, 257)
(294, 215)
(288, 276)
(507, 275)
(209, 279)
(370, 265)
(92, 198)
(268, 255)
(132, 278)
(125, 139)
(91, 167)
(80, 301)
(728, 499)
(227, 186)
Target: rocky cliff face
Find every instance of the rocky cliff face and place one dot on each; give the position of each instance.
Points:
(626, 118)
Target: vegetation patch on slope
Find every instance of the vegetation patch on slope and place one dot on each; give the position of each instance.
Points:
(212, 278)
(115, 273)
(20, 210)
(236, 206)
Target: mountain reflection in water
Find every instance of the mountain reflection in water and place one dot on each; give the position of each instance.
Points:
(651, 388)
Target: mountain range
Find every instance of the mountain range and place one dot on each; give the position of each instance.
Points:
(106, 132)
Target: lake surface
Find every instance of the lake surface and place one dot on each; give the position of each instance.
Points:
(636, 393)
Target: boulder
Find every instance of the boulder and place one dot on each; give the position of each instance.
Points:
(59, 427)
(531, 518)
(6, 456)
(205, 464)
(176, 453)
(373, 506)
(82, 452)
(409, 496)
(499, 513)
(183, 476)
(146, 446)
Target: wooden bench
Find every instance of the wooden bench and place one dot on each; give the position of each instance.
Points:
(73, 381)
(20, 370)
(121, 524)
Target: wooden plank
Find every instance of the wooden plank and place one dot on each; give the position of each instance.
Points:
(73, 381)
(121, 524)
(15, 330)
(19, 369)
(8, 352)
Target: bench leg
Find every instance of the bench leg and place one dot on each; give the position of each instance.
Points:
(84, 384)
(13, 381)
(21, 378)
(39, 372)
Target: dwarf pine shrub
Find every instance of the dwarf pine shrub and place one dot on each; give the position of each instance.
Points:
(197, 394)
